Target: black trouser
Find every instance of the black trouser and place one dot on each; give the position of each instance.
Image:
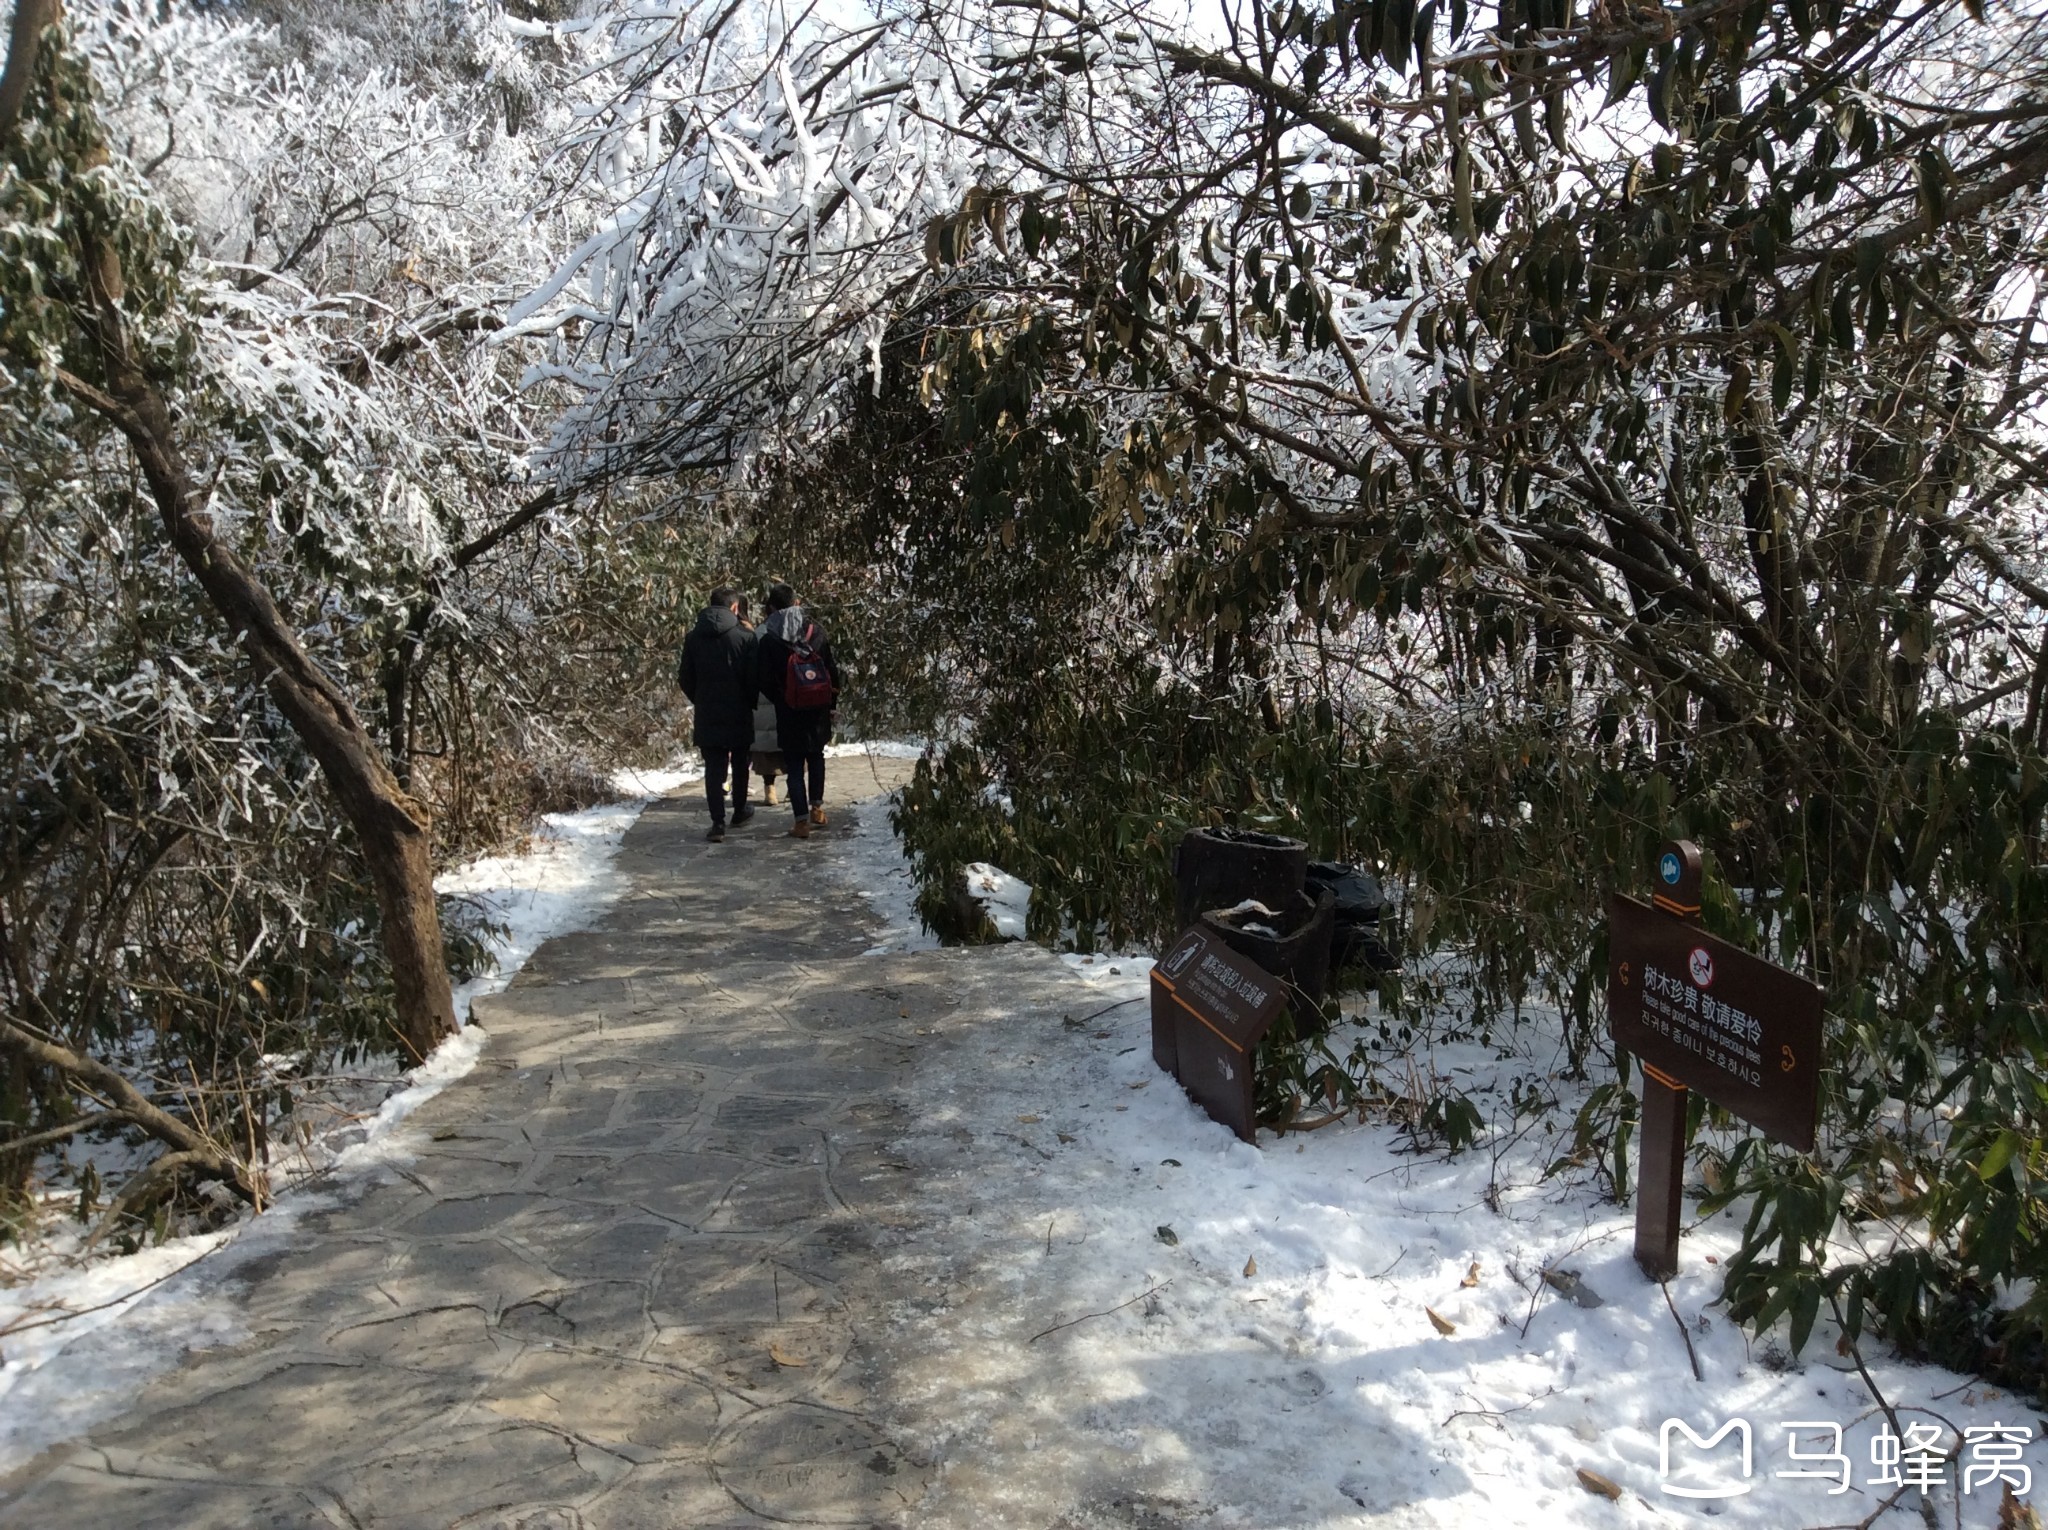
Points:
(716, 763)
(802, 763)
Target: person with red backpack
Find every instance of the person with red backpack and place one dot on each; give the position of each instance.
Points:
(799, 675)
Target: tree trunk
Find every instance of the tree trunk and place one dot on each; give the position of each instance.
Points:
(395, 675)
(191, 1146)
(393, 829)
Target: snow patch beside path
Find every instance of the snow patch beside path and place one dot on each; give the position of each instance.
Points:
(881, 749)
(1004, 898)
(559, 880)
(77, 1344)
(1122, 1314)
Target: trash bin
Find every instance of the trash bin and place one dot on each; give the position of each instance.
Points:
(1291, 941)
(1217, 868)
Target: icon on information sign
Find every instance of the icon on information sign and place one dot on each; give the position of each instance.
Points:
(1701, 965)
(1669, 868)
(1177, 962)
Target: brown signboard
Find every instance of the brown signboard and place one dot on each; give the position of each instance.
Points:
(1210, 1006)
(1709, 1016)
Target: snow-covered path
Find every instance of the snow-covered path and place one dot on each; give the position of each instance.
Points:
(621, 1277)
(757, 1210)
(82, 1334)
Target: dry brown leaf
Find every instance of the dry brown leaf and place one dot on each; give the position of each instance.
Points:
(1028, 1120)
(1440, 1323)
(1593, 1482)
(783, 1357)
(1471, 1275)
(903, 1013)
(1251, 1267)
(2016, 1515)
(1063, 1137)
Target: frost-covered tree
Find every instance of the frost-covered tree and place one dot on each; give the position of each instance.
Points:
(1493, 440)
(99, 325)
(250, 400)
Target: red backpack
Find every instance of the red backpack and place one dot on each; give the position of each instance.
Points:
(806, 682)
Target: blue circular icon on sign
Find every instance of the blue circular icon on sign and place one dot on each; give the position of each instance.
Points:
(1669, 868)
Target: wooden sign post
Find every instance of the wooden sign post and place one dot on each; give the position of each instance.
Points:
(1210, 1006)
(1699, 1013)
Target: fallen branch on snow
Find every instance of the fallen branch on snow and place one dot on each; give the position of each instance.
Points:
(1104, 1313)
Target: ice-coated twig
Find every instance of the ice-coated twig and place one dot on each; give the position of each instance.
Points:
(1691, 1353)
(1084, 1317)
(126, 1296)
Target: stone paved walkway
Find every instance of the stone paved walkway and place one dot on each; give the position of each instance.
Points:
(630, 1279)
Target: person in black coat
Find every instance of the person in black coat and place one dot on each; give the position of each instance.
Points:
(717, 672)
(804, 731)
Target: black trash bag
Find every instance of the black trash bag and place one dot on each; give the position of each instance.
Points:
(1360, 946)
(1357, 891)
(1355, 941)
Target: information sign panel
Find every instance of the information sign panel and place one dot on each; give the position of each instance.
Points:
(1744, 1033)
(1210, 1006)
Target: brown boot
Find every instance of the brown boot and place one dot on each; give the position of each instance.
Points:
(801, 829)
(768, 792)
(818, 816)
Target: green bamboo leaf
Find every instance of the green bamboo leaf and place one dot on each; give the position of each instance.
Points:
(1623, 72)
(1805, 1307)
(1461, 190)
(2000, 1153)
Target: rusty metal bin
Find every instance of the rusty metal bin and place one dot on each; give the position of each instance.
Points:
(1299, 954)
(1216, 868)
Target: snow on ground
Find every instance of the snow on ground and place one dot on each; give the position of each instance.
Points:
(79, 1342)
(79, 1337)
(558, 879)
(875, 866)
(1004, 898)
(1264, 1352)
(881, 749)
